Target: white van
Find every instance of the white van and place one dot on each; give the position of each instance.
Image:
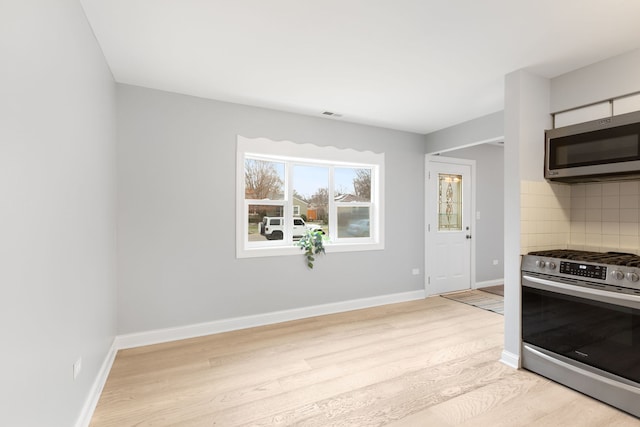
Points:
(272, 227)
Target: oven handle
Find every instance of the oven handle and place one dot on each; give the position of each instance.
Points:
(627, 300)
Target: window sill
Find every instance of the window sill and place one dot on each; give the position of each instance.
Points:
(259, 252)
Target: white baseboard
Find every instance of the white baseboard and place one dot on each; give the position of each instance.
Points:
(488, 283)
(190, 331)
(510, 359)
(225, 325)
(96, 389)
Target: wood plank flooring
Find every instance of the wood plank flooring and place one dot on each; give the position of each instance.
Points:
(431, 362)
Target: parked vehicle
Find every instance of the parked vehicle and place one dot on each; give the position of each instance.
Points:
(359, 228)
(272, 227)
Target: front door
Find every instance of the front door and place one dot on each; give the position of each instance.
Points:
(449, 234)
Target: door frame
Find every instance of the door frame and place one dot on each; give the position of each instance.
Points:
(434, 158)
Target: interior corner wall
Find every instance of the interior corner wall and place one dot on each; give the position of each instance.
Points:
(176, 216)
(58, 210)
(526, 117)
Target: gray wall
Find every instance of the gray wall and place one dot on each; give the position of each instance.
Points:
(489, 230)
(601, 81)
(176, 223)
(57, 180)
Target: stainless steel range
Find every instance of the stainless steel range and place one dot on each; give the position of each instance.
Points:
(581, 322)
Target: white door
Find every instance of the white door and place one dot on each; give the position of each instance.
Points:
(449, 233)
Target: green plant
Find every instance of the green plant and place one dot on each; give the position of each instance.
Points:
(312, 243)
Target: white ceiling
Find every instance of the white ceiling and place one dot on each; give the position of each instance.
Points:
(414, 65)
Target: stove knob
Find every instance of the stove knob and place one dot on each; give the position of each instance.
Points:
(540, 263)
(633, 277)
(617, 274)
(551, 265)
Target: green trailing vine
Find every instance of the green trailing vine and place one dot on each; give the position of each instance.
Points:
(312, 243)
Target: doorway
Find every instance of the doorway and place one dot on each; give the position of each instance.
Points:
(450, 203)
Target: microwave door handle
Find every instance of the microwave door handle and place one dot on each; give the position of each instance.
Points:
(627, 300)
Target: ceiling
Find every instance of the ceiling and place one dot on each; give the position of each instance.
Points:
(413, 65)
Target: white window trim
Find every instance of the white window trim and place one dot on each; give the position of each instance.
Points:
(329, 155)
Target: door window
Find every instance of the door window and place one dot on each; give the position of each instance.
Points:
(449, 202)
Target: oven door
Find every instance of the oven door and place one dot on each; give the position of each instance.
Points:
(590, 326)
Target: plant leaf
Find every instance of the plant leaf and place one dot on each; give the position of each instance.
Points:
(311, 243)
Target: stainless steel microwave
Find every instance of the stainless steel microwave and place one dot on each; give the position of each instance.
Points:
(600, 150)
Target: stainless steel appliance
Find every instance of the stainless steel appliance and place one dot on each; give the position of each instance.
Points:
(599, 150)
(581, 322)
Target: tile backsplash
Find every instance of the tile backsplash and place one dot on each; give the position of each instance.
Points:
(592, 216)
(604, 216)
(544, 216)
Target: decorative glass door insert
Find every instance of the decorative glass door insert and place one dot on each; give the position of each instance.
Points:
(449, 202)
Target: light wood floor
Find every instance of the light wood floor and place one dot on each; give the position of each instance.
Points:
(431, 362)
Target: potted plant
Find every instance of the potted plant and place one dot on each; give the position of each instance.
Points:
(312, 243)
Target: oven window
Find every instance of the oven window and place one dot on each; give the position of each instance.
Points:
(601, 335)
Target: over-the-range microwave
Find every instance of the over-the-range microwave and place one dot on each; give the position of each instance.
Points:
(600, 150)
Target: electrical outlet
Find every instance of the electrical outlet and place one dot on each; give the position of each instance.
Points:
(496, 262)
(77, 367)
(415, 271)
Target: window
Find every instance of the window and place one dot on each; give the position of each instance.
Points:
(284, 188)
(449, 202)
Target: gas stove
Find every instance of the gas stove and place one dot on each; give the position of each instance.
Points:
(613, 258)
(581, 322)
(617, 271)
